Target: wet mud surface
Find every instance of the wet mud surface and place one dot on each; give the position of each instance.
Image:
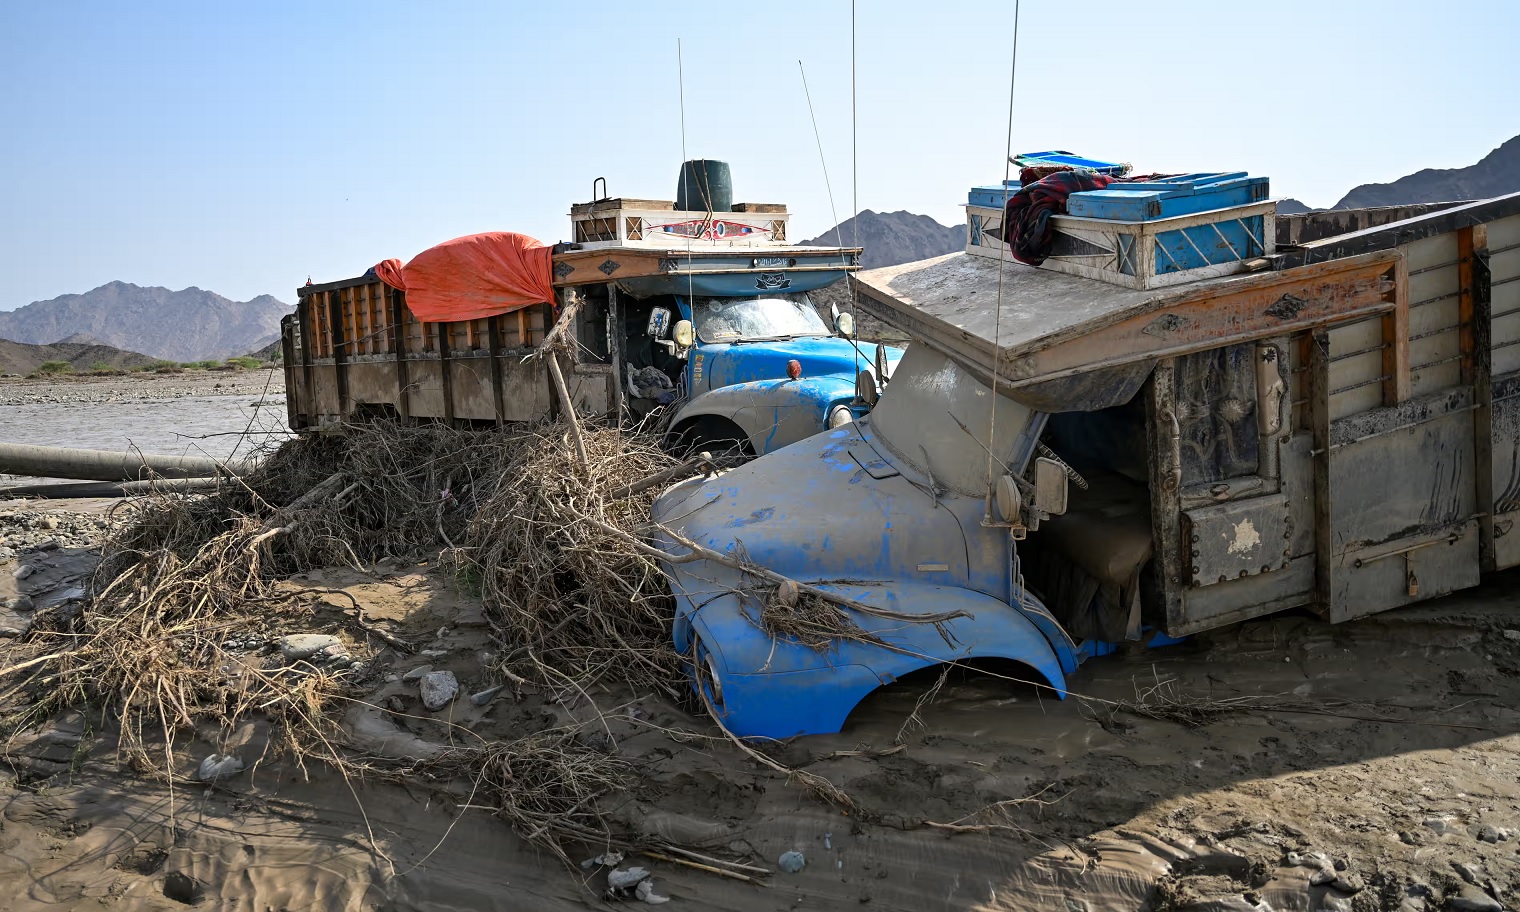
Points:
(1296, 766)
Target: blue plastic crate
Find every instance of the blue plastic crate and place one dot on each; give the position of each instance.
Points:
(1186, 194)
(996, 195)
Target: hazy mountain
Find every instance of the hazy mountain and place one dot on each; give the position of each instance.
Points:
(1291, 207)
(890, 238)
(1497, 174)
(187, 325)
(21, 358)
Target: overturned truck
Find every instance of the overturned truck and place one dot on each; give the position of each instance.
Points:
(1064, 461)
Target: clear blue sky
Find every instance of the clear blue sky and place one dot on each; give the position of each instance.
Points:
(242, 146)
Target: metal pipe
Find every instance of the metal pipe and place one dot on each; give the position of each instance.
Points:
(108, 465)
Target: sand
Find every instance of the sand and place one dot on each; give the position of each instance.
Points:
(1400, 749)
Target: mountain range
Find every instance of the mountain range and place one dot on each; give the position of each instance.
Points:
(191, 324)
(1497, 174)
(890, 238)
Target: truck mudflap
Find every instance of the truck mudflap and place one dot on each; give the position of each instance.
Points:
(774, 687)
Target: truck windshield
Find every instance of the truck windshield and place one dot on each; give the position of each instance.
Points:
(756, 319)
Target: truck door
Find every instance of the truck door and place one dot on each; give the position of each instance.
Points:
(1231, 489)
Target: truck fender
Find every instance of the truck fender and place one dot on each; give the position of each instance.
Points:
(780, 690)
(762, 408)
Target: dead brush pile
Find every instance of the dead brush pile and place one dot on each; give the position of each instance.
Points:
(573, 597)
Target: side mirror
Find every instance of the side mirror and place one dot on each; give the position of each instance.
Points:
(881, 362)
(659, 321)
(683, 334)
(865, 388)
(1049, 486)
(845, 323)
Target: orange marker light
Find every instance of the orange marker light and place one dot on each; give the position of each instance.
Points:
(794, 369)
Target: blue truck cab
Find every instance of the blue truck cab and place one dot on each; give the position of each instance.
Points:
(704, 321)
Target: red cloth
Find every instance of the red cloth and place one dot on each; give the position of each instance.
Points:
(479, 275)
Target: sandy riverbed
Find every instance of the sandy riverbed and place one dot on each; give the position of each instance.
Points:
(1398, 762)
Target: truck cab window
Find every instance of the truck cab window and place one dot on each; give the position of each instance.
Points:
(757, 319)
(1216, 414)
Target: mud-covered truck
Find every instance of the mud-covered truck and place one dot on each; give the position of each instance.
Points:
(1085, 453)
(697, 307)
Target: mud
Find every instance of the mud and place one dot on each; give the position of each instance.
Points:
(1374, 756)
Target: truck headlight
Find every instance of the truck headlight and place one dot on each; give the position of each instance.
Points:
(839, 416)
(714, 683)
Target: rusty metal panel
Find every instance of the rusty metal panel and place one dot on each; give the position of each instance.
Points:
(1400, 477)
(1208, 607)
(1434, 563)
(1238, 539)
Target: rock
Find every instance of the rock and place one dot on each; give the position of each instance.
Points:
(438, 688)
(433, 653)
(1512, 635)
(624, 880)
(48, 522)
(219, 766)
(21, 603)
(1442, 825)
(1493, 834)
(1322, 876)
(1335, 904)
(608, 859)
(416, 673)
(1348, 883)
(24, 571)
(487, 695)
(645, 891)
(183, 888)
(1473, 874)
(791, 862)
(299, 646)
(1471, 899)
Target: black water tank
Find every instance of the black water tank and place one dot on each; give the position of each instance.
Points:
(705, 186)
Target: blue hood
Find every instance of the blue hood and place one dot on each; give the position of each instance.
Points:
(745, 362)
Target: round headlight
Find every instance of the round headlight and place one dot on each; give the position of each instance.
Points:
(714, 684)
(839, 416)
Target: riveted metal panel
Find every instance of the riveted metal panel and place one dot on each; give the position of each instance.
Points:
(1238, 539)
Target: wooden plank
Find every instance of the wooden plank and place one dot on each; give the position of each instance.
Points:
(1476, 306)
(1396, 385)
(339, 351)
(288, 363)
(1164, 446)
(399, 318)
(362, 342)
(615, 350)
(1217, 316)
(1468, 240)
(522, 327)
(444, 367)
(498, 393)
(1319, 425)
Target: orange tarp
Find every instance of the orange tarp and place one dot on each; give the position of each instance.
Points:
(479, 275)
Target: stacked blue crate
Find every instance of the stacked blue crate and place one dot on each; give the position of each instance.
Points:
(1225, 240)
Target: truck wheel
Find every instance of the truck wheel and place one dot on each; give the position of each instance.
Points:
(718, 436)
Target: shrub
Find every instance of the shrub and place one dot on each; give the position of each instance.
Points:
(55, 367)
(245, 362)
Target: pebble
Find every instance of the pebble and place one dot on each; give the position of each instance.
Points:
(1348, 883)
(645, 892)
(1471, 899)
(1493, 834)
(622, 880)
(1442, 825)
(487, 695)
(24, 571)
(433, 653)
(20, 603)
(299, 646)
(218, 766)
(416, 673)
(791, 862)
(438, 688)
